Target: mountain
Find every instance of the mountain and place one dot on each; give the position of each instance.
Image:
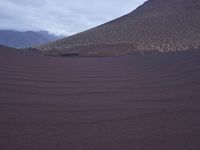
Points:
(19, 39)
(50, 37)
(157, 25)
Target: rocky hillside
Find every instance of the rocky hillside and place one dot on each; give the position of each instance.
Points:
(157, 25)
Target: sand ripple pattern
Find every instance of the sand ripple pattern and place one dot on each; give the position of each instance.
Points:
(144, 102)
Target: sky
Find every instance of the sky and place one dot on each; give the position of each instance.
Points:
(64, 17)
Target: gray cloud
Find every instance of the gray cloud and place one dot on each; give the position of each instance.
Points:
(61, 16)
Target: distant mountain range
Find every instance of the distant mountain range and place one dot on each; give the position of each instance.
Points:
(19, 39)
(157, 25)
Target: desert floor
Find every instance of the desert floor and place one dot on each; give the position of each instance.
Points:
(141, 102)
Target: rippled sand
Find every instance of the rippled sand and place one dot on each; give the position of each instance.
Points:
(142, 102)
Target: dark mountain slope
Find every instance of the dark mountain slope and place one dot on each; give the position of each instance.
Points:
(157, 25)
(5, 48)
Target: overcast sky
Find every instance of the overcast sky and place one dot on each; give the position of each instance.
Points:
(61, 16)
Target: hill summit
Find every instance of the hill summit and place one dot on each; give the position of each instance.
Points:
(157, 25)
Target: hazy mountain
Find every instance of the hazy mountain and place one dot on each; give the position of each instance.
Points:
(50, 37)
(157, 25)
(25, 39)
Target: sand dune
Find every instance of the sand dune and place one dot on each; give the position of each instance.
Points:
(141, 102)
